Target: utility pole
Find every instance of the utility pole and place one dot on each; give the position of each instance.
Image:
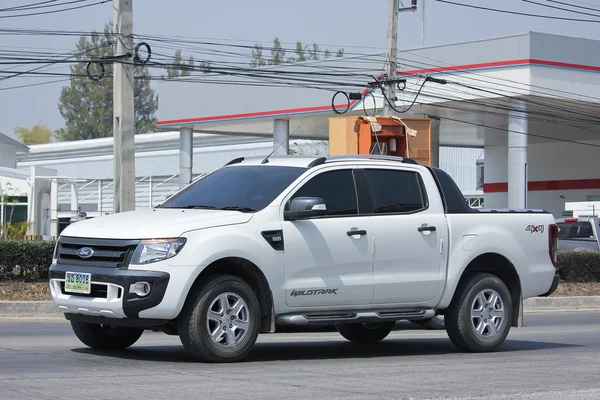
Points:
(390, 65)
(395, 6)
(422, 23)
(123, 108)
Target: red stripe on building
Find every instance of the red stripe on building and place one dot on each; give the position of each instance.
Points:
(466, 67)
(573, 184)
(456, 68)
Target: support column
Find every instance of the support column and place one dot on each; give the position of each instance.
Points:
(186, 156)
(435, 142)
(517, 154)
(281, 137)
(32, 203)
(74, 203)
(54, 209)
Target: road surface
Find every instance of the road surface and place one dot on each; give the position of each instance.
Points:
(555, 356)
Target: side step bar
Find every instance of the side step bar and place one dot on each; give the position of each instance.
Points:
(353, 317)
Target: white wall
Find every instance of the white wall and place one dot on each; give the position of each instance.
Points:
(550, 161)
(7, 158)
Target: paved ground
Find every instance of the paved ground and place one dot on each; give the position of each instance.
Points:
(556, 356)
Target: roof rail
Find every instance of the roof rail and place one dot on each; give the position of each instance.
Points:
(323, 160)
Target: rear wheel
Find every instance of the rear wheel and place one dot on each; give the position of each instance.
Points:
(220, 320)
(479, 317)
(366, 333)
(106, 337)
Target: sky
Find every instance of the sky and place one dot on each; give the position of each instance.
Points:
(358, 26)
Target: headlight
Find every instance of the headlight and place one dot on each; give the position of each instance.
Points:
(153, 250)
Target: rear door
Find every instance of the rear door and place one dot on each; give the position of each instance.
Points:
(409, 232)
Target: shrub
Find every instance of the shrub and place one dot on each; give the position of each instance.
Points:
(579, 266)
(25, 260)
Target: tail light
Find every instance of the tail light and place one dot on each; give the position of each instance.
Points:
(553, 242)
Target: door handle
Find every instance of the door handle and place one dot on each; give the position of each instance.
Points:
(361, 232)
(426, 229)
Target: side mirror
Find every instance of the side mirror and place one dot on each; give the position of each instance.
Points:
(305, 207)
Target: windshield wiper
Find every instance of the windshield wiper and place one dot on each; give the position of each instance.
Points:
(203, 207)
(238, 208)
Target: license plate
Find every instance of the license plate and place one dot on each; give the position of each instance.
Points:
(78, 282)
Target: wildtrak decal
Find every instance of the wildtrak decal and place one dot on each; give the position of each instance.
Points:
(314, 292)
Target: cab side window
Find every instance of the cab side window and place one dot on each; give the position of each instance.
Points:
(338, 190)
(396, 191)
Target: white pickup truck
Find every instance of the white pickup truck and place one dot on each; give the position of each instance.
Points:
(355, 241)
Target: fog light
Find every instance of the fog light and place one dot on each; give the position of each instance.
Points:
(142, 289)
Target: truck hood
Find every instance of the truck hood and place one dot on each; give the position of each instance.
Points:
(153, 223)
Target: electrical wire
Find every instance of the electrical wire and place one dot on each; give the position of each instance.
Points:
(56, 11)
(15, 8)
(560, 8)
(515, 12)
(575, 6)
(34, 84)
(41, 5)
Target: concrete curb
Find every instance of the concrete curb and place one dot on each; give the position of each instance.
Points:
(571, 303)
(46, 309)
(29, 309)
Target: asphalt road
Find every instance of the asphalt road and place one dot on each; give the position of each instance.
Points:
(555, 356)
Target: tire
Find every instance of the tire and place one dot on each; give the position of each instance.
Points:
(366, 333)
(106, 337)
(473, 332)
(224, 301)
(435, 323)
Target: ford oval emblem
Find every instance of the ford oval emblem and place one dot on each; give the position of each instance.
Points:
(85, 252)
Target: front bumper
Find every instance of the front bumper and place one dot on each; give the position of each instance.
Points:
(555, 283)
(110, 295)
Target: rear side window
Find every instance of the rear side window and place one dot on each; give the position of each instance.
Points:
(573, 230)
(336, 188)
(396, 191)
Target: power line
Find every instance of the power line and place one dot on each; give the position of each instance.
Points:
(560, 8)
(56, 11)
(516, 12)
(37, 6)
(35, 84)
(574, 6)
(27, 5)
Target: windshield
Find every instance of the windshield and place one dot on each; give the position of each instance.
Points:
(242, 188)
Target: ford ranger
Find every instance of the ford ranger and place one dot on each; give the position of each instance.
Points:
(358, 242)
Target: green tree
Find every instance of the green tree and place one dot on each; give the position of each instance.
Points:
(38, 134)
(87, 105)
(277, 52)
(257, 56)
(302, 52)
(180, 68)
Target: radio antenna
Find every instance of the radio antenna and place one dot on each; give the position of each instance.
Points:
(266, 160)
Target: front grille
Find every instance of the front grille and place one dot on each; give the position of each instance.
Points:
(99, 291)
(107, 253)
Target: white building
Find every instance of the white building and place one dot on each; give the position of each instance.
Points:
(526, 103)
(14, 186)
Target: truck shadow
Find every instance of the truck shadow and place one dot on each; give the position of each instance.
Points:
(327, 349)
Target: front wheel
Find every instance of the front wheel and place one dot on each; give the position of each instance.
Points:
(365, 333)
(105, 337)
(220, 321)
(480, 314)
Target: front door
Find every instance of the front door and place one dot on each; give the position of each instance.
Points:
(325, 264)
